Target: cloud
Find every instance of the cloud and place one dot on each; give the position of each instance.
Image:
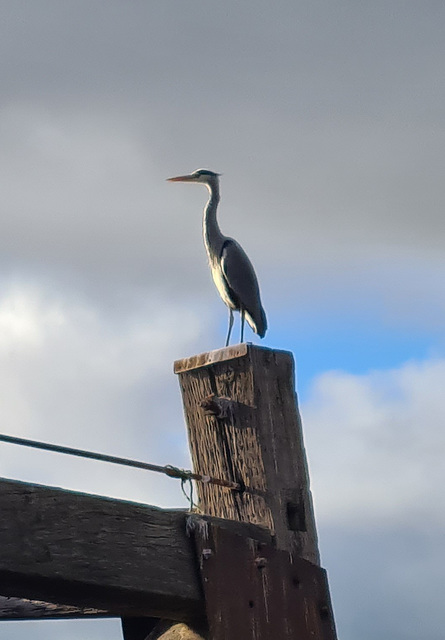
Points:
(71, 375)
(329, 140)
(87, 204)
(376, 444)
(384, 581)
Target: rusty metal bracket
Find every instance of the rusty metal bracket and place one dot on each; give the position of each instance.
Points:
(218, 407)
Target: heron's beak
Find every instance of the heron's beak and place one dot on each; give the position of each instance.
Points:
(189, 178)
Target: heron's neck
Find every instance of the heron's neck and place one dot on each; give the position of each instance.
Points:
(213, 238)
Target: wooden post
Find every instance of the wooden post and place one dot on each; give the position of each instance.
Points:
(244, 426)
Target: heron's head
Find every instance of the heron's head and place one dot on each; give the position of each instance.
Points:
(200, 175)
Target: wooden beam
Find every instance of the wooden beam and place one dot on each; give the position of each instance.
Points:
(22, 609)
(244, 425)
(87, 551)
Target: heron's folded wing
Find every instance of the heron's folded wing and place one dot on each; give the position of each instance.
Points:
(242, 283)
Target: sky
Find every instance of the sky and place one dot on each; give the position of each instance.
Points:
(326, 120)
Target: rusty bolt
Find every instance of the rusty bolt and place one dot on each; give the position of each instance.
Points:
(260, 562)
(216, 406)
(207, 553)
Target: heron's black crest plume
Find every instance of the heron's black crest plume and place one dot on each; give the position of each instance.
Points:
(206, 172)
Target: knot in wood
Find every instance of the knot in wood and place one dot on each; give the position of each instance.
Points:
(217, 406)
(227, 377)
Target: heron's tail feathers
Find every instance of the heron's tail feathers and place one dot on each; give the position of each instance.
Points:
(257, 321)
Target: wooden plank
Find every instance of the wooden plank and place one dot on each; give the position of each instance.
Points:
(21, 609)
(255, 592)
(244, 425)
(86, 551)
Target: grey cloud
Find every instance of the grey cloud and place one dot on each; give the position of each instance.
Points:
(375, 454)
(371, 423)
(384, 590)
(324, 121)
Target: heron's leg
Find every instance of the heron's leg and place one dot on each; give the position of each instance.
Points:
(230, 326)
(242, 324)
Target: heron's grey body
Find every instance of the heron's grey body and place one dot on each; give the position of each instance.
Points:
(232, 271)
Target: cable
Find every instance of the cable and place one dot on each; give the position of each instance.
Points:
(169, 470)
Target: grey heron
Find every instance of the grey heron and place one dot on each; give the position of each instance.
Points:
(232, 271)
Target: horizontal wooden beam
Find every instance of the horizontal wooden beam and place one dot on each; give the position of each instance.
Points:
(22, 609)
(90, 552)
